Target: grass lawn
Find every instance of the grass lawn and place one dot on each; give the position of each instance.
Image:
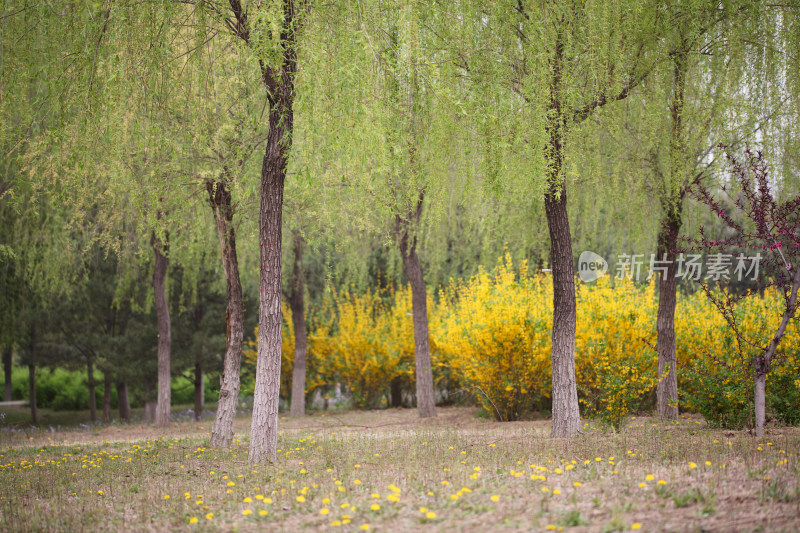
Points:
(390, 471)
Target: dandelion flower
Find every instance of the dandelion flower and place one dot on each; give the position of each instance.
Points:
(193, 520)
(375, 507)
(263, 512)
(692, 465)
(494, 498)
(247, 500)
(649, 477)
(556, 492)
(301, 498)
(423, 510)
(636, 525)
(577, 483)
(356, 482)
(662, 482)
(324, 511)
(430, 515)
(166, 496)
(247, 512)
(365, 527)
(209, 516)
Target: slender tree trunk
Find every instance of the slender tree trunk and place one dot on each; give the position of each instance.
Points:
(92, 391)
(298, 404)
(672, 203)
(198, 388)
(222, 431)
(406, 228)
(760, 402)
(124, 404)
(7, 359)
(106, 398)
(763, 362)
(264, 428)
(566, 414)
(667, 389)
(32, 393)
(279, 83)
(164, 334)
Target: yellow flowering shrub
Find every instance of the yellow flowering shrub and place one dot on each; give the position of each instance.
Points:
(615, 363)
(493, 332)
(370, 344)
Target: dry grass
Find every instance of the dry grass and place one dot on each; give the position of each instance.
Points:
(471, 474)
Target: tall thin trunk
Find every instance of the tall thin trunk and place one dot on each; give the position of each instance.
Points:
(7, 359)
(667, 389)
(91, 384)
(760, 402)
(106, 397)
(123, 401)
(566, 414)
(162, 413)
(298, 404)
(672, 203)
(264, 428)
(406, 228)
(222, 431)
(32, 393)
(198, 387)
(279, 83)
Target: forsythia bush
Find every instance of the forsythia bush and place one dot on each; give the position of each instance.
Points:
(494, 335)
(370, 345)
(615, 363)
(491, 335)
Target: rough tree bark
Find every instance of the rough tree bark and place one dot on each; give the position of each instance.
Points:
(123, 401)
(219, 197)
(406, 228)
(198, 387)
(566, 413)
(92, 391)
(672, 206)
(279, 82)
(164, 333)
(32, 393)
(667, 389)
(106, 398)
(298, 404)
(7, 355)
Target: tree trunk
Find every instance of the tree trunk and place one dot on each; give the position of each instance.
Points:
(106, 398)
(667, 389)
(672, 204)
(406, 228)
(32, 393)
(91, 384)
(7, 360)
(222, 431)
(396, 393)
(426, 405)
(164, 334)
(264, 427)
(760, 401)
(124, 403)
(566, 414)
(298, 404)
(198, 388)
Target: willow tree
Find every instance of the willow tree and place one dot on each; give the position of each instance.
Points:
(270, 31)
(568, 60)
